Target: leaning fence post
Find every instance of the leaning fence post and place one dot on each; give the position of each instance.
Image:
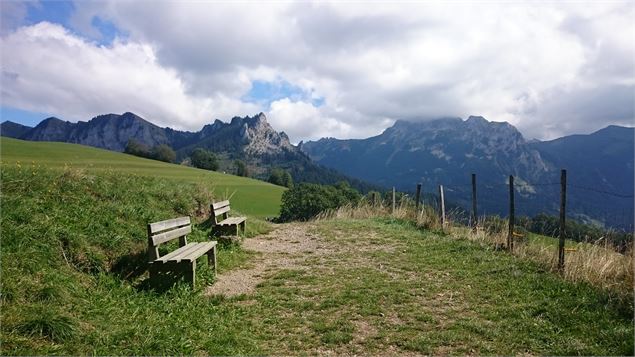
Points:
(510, 235)
(393, 200)
(417, 198)
(442, 203)
(474, 214)
(563, 200)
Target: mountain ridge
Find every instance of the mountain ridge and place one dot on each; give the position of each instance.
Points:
(250, 138)
(447, 150)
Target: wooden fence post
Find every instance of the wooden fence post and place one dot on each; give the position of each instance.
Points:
(474, 214)
(510, 235)
(442, 203)
(393, 200)
(563, 200)
(417, 198)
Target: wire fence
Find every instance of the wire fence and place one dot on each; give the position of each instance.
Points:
(591, 214)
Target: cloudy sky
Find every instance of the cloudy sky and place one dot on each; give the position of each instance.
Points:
(345, 70)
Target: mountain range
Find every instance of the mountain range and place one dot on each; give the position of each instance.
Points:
(447, 151)
(250, 139)
(444, 151)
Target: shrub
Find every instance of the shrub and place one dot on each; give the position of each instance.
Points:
(204, 159)
(163, 153)
(241, 168)
(137, 149)
(306, 200)
(281, 177)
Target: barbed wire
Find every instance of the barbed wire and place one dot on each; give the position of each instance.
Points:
(493, 186)
(615, 194)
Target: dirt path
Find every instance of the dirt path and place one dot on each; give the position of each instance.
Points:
(283, 248)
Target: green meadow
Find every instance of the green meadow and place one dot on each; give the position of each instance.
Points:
(74, 280)
(249, 196)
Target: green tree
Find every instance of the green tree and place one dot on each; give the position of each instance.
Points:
(281, 177)
(163, 153)
(306, 200)
(134, 147)
(276, 177)
(241, 168)
(287, 179)
(204, 159)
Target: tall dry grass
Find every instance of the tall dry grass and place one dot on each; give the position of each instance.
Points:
(598, 265)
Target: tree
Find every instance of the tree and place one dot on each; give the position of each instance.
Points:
(306, 200)
(133, 147)
(281, 177)
(241, 168)
(204, 159)
(163, 153)
(287, 180)
(276, 177)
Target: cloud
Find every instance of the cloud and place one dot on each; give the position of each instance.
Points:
(550, 69)
(52, 70)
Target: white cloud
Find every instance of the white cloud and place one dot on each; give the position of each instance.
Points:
(51, 70)
(547, 68)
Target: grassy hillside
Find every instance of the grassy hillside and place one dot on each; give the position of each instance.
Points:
(73, 282)
(251, 197)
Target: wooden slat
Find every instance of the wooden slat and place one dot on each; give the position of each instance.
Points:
(232, 221)
(169, 235)
(220, 204)
(171, 255)
(167, 224)
(201, 249)
(218, 212)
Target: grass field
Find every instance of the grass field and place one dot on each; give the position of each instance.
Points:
(251, 197)
(73, 278)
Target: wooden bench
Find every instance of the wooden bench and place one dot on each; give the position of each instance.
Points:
(181, 260)
(228, 223)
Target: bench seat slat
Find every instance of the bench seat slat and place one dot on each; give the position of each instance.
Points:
(169, 256)
(169, 235)
(231, 221)
(221, 204)
(201, 249)
(189, 252)
(167, 224)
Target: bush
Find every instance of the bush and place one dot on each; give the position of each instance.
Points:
(160, 152)
(241, 168)
(137, 149)
(204, 159)
(281, 177)
(306, 200)
(163, 153)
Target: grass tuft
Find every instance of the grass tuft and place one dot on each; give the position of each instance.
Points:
(44, 322)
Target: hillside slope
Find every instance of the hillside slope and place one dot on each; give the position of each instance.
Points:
(250, 196)
(250, 139)
(73, 282)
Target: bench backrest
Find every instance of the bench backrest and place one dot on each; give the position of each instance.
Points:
(220, 208)
(165, 231)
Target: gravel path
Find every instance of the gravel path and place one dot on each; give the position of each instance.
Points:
(283, 248)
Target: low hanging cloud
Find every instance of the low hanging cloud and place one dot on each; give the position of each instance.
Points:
(549, 69)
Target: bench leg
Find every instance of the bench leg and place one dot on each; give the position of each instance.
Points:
(190, 273)
(153, 270)
(211, 258)
(244, 225)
